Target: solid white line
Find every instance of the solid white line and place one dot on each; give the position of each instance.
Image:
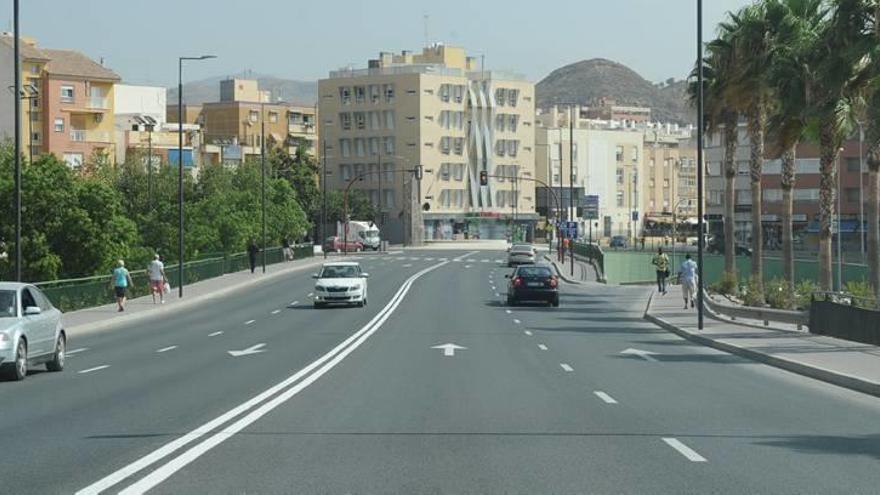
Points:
(528, 332)
(684, 450)
(407, 265)
(542, 347)
(340, 351)
(276, 311)
(166, 349)
(249, 322)
(77, 351)
(566, 367)
(310, 294)
(294, 303)
(517, 321)
(96, 368)
(605, 397)
(508, 311)
(215, 334)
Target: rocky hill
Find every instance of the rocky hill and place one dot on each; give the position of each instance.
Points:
(586, 81)
(206, 90)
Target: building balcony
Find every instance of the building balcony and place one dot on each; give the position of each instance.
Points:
(98, 103)
(84, 136)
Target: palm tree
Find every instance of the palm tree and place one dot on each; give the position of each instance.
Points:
(831, 90)
(794, 25)
(720, 116)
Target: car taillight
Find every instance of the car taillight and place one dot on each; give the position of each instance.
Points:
(517, 282)
(553, 282)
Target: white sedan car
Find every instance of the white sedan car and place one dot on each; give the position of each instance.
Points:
(30, 331)
(341, 282)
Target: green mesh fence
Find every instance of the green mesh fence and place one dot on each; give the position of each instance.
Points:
(73, 294)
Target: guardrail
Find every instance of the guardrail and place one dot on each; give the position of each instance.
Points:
(593, 253)
(73, 294)
(766, 315)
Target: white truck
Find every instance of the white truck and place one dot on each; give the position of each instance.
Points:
(367, 233)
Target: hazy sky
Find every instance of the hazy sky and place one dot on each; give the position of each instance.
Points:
(298, 39)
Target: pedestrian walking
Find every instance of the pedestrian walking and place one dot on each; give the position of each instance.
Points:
(252, 251)
(688, 276)
(156, 270)
(121, 281)
(285, 248)
(661, 265)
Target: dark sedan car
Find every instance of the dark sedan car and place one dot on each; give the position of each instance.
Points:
(533, 283)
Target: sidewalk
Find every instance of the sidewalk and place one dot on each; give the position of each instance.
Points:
(847, 364)
(91, 320)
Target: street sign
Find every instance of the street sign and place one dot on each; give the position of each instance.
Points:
(591, 206)
(570, 230)
(635, 216)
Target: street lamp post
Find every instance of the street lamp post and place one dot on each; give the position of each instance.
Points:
(861, 190)
(572, 215)
(323, 195)
(180, 167)
(839, 229)
(700, 224)
(263, 176)
(17, 69)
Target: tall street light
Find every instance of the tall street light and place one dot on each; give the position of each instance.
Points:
(180, 167)
(572, 215)
(17, 69)
(700, 237)
(263, 176)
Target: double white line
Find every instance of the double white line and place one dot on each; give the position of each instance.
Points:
(270, 399)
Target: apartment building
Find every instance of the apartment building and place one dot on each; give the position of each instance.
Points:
(608, 109)
(806, 193)
(439, 110)
(68, 108)
(670, 172)
(233, 127)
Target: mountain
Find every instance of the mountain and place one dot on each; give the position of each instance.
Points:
(207, 90)
(586, 81)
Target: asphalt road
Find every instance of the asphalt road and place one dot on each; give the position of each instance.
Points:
(587, 397)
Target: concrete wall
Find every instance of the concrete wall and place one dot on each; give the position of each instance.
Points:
(140, 100)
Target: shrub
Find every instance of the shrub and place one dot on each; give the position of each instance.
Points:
(727, 284)
(753, 295)
(780, 294)
(863, 294)
(804, 293)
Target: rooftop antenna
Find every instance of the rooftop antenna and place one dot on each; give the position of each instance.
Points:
(427, 39)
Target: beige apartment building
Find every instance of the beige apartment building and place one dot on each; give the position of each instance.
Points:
(233, 127)
(436, 109)
(670, 175)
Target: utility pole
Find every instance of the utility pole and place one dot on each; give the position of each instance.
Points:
(701, 237)
(263, 175)
(17, 69)
(571, 181)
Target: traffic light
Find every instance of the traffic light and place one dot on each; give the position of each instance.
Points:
(484, 178)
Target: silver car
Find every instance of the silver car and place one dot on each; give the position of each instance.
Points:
(521, 254)
(30, 331)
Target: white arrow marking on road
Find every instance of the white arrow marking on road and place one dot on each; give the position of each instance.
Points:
(605, 397)
(166, 349)
(254, 349)
(646, 355)
(215, 334)
(684, 450)
(529, 333)
(249, 322)
(449, 349)
(508, 311)
(96, 368)
(566, 367)
(77, 351)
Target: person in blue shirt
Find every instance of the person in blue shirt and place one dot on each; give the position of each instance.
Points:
(121, 280)
(688, 275)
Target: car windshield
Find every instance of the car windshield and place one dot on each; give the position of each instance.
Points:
(340, 271)
(7, 303)
(521, 249)
(533, 271)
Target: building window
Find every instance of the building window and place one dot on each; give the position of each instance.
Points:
(853, 164)
(375, 92)
(59, 125)
(345, 146)
(458, 146)
(512, 121)
(273, 117)
(360, 147)
(635, 154)
(389, 198)
(389, 93)
(389, 146)
(772, 195)
(620, 174)
(254, 116)
(389, 119)
(388, 170)
(851, 194)
(345, 172)
(345, 95)
(35, 137)
(345, 121)
(67, 94)
(619, 153)
(360, 94)
(666, 183)
(73, 160)
(360, 121)
(619, 198)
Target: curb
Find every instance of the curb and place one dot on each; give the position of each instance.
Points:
(560, 272)
(113, 322)
(827, 376)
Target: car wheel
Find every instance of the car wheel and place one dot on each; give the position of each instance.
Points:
(57, 362)
(17, 370)
(361, 303)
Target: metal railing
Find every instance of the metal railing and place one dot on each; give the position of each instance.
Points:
(99, 102)
(73, 294)
(765, 315)
(592, 252)
(84, 136)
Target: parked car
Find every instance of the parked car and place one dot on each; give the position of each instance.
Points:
(521, 254)
(715, 245)
(336, 244)
(30, 331)
(618, 241)
(340, 282)
(533, 283)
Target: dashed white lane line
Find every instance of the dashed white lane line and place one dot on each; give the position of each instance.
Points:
(566, 367)
(684, 450)
(310, 294)
(96, 368)
(517, 321)
(605, 397)
(508, 311)
(294, 303)
(166, 349)
(429, 259)
(275, 312)
(529, 333)
(497, 295)
(493, 287)
(215, 334)
(467, 266)
(484, 261)
(407, 265)
(249, 322)
(542, 347)
(77, 351)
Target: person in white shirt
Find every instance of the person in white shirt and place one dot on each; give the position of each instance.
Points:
(156, 270)
(688, 274)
